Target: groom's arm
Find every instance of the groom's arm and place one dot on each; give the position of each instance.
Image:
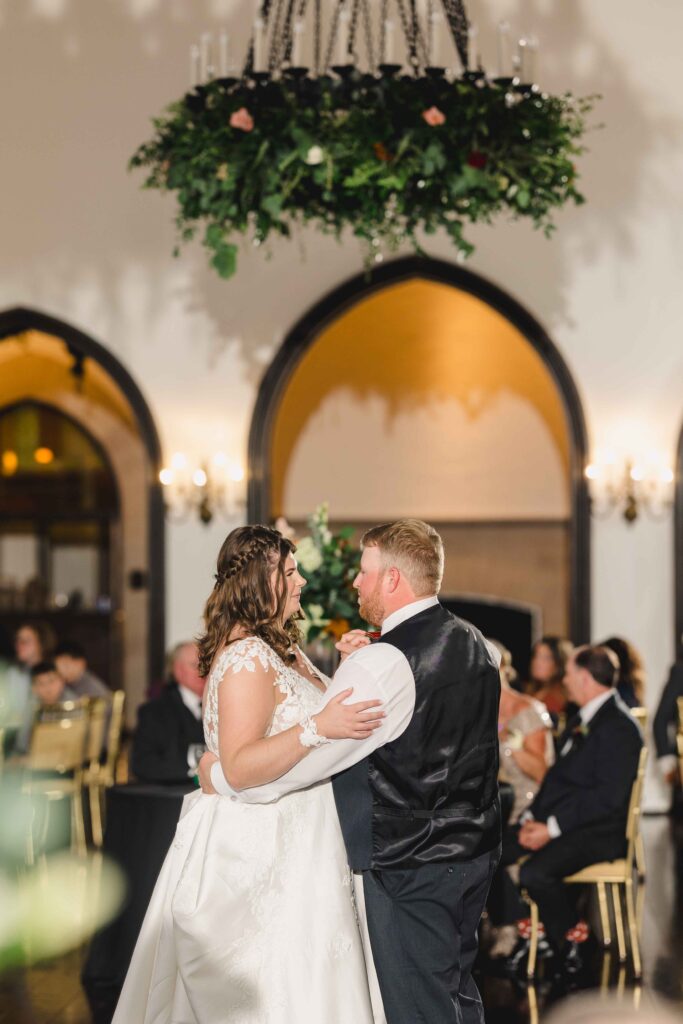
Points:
(378, 672)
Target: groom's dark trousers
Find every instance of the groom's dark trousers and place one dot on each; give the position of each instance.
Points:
(421, 821)
(423, 930)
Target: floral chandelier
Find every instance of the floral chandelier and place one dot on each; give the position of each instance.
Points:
(375, 116)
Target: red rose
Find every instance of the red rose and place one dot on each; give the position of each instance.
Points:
(477, 159)
(381, 152)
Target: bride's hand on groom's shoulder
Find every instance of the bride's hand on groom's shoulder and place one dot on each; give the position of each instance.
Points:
(204, 767)
(351, 642)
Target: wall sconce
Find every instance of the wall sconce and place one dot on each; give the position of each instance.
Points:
(630, 487)
(205, 489)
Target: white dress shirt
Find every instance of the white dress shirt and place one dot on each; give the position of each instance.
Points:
(192, 701)
(376, 672)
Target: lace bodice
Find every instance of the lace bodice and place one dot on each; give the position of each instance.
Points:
(302, 697)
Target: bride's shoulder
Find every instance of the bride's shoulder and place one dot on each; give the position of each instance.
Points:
(245, 654)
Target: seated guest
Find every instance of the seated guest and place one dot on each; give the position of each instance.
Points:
(579, 815)
(549, 657)
(665, 724)
(631, 685)
(47, 688)
(525, 740)
(72, 666)
(526, 751)
(33, 644)
(169, 739)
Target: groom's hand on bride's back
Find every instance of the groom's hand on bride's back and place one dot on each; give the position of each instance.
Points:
(204, 772)
(352, 641)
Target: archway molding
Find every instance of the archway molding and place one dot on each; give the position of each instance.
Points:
(333, 305)
(19, 320)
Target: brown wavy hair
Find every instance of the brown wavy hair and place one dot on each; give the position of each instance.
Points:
(243, 594)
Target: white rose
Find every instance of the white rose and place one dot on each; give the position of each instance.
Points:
(308, 556)
(315, 155)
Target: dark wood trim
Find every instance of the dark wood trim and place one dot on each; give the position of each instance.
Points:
(16, 321)
(678, 548)
(304, 334)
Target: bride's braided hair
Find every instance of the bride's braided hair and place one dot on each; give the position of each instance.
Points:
(243, 598)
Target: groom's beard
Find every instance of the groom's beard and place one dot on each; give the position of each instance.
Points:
(371, 609)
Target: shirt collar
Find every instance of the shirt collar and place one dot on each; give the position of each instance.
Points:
(191, 700)
(407, 612)
(590, 709)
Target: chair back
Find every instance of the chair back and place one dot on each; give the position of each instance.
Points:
(98, 708)
(679, 733)
(118, 699)
(58, 740)
(633, 820)
(640, 715)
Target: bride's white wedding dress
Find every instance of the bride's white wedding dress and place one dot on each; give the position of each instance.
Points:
(251, 920)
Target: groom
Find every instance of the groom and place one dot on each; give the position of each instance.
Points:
(417, 801)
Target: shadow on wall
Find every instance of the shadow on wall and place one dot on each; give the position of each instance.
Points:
(91, 76)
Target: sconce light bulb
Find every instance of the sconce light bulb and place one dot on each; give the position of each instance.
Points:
(592, 472)
(179, 461)
(667, 476)
(636, 474)
(220, 460)
(166, 476)
(199, 478)
(236, 473)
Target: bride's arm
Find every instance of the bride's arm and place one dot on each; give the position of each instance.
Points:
(246, 702)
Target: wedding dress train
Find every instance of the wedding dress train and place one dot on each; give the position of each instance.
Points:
(252, 920)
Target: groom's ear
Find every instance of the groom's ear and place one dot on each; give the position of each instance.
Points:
(393, 578)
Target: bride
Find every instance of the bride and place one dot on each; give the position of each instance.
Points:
(251, 920)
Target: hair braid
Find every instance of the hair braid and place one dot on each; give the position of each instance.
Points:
(244, 600)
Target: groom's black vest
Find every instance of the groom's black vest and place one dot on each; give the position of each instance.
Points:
(432, 794)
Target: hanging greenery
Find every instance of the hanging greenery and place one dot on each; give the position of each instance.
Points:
(383, 156)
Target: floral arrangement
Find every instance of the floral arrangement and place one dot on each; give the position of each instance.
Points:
(382, 156)
(329, 563)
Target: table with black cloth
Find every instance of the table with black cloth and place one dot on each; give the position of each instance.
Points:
(141, 822)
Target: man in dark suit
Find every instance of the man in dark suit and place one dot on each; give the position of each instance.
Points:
(579, 814)
(169, 739)
(665, 723)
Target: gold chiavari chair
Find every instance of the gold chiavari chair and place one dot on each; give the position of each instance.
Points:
(53, 767)
(615, 874)
(641, 716)
(99, 777)
(98, 710)
(679, 736)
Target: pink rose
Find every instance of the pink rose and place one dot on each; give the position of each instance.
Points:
(433, 116)
(242, 119)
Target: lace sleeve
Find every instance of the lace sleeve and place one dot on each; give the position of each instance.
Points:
(242, 656)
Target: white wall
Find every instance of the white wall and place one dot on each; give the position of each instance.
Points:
(80, 240)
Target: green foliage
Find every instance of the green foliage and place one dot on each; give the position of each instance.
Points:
(358, 154)
(330, 563)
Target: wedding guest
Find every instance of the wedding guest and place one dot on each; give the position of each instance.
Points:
(631, 685)
(72, 665)
(579, 814)
(526, 751)
(33, 644)
(549, 657)
(48, 686)
(665, 724)
(169, 739)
